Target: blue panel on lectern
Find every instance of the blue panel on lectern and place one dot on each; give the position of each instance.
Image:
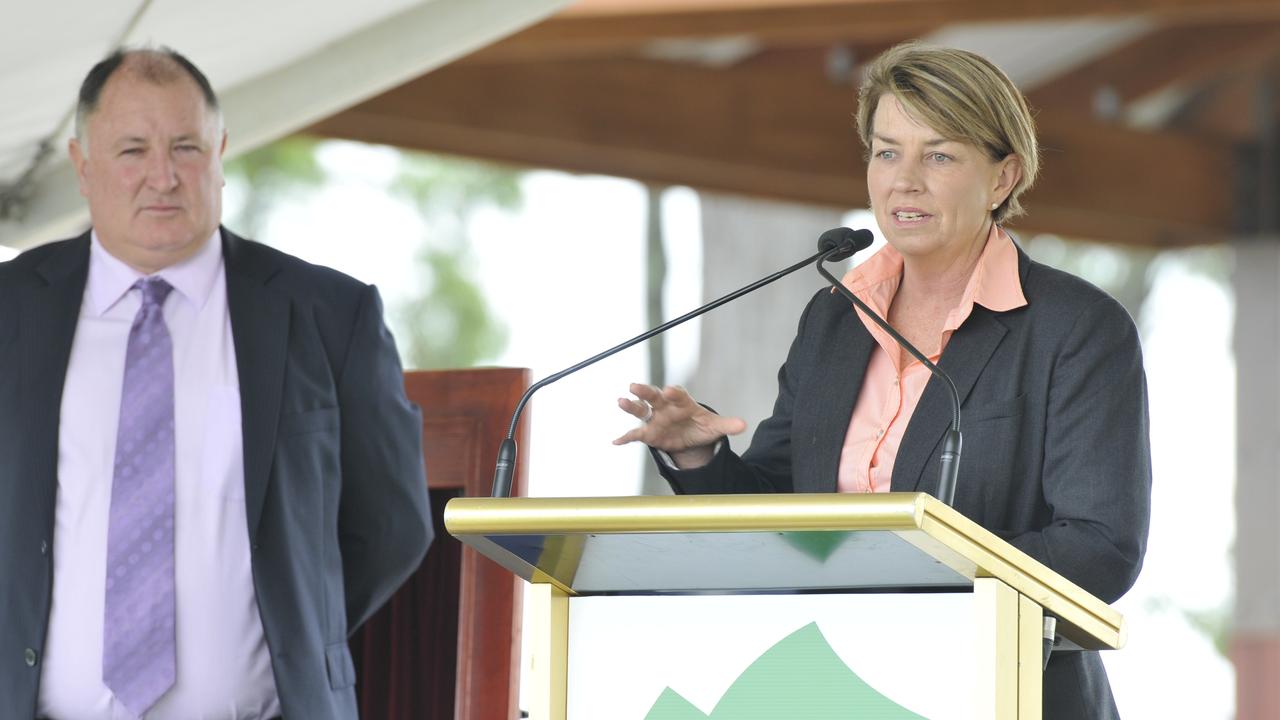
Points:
(598, 563)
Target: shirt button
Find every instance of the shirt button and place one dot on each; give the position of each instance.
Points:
(879, 433)
(30, 656)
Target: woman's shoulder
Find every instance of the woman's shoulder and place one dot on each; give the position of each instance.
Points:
(1054, 294)
(1061, 306)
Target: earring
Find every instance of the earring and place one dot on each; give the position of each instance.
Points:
(995, 205)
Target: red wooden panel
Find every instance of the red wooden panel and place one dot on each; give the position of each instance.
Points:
(448, 642)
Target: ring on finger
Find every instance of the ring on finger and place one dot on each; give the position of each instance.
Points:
(648, 413)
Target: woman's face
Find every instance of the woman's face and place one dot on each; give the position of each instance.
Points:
(932, 196)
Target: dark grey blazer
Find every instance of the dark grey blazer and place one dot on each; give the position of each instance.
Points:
(334, 482)
(1056, 458)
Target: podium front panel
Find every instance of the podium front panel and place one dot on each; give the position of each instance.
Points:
(888, 656)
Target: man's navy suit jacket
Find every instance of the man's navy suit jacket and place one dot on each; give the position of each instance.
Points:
(335, 491)
(1056, 457)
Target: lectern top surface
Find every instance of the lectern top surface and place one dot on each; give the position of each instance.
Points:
(600, 563)
(764, 543)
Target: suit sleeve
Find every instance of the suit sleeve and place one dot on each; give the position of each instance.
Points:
(1097, 457)
(384, 519)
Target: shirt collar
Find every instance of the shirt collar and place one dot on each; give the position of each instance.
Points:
(995, 283)
(111, 278)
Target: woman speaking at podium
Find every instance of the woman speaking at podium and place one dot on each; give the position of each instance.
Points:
(1048, 367)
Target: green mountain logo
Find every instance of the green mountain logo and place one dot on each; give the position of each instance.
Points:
(799, 678)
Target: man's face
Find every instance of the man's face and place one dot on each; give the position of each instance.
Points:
(151, 169)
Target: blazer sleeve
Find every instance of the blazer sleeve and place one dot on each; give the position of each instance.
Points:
(384, 519)
(1096, 478)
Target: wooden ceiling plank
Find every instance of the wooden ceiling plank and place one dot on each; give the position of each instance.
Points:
(1177, 56)
(595, 8)
(773, 131)
(850, 21)
(608, 8)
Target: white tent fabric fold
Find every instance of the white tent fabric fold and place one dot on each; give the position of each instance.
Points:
(277, 66)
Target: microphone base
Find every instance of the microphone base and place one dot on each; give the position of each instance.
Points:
(950, 467)
(504, 469)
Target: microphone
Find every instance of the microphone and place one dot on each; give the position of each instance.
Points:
(840, 244)
(504, 469)
(846, 242)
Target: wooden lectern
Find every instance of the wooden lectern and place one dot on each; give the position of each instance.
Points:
(916, 579)
(447, 643)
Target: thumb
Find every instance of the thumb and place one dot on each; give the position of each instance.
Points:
(731, 425)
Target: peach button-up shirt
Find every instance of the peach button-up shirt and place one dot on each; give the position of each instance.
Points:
(890, 393)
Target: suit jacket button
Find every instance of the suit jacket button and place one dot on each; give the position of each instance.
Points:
(44, 547)
(30, 656)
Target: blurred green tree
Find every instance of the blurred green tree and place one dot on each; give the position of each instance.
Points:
(447, 323)
(283, 170)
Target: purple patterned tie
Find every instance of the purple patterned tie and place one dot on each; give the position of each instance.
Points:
(138, 662)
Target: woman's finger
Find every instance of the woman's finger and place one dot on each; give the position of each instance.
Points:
(637, 409)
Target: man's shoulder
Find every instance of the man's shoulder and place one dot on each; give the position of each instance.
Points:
(22, 268)
(33, 257)
(287, 272)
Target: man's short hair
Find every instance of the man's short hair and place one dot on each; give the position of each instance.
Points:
(157, 65)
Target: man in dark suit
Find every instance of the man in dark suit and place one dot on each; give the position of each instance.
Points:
(211, 472)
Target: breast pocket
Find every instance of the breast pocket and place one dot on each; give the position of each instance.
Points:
(995, 410)
(307, 467)
(993, 453)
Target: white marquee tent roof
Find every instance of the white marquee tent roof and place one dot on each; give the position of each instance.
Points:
(277, 66)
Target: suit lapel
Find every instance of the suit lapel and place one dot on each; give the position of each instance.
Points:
(967, 353)
(839, 375)
(260, 328)
(47, 320)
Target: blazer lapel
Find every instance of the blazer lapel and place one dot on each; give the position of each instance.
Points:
(839, 375)
(967, 353)
(260, 328)
(47, 320)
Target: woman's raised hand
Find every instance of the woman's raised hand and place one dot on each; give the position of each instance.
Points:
(672, 421)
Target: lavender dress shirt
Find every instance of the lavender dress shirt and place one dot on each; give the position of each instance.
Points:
(223, 665)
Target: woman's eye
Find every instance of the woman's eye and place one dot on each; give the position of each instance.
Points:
(939, 158)
(885, 154)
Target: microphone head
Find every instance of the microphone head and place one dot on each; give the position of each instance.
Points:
(844, 242)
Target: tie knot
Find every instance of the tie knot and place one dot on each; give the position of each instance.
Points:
(154, 290)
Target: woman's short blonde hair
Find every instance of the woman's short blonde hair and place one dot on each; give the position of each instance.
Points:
(963, 97)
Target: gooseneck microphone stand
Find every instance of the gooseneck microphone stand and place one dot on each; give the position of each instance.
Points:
(504, 469)
(951, 444)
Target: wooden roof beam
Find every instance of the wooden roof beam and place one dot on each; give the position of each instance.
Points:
(625, 27)
(774, 129)
(1178, 56)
